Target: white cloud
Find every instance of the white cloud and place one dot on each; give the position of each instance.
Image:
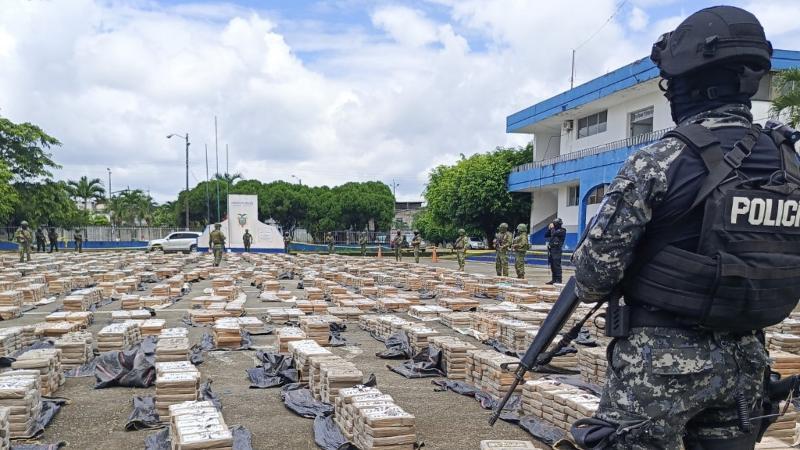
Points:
(112, 79)
(638, 19)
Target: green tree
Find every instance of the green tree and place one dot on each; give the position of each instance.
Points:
(25, 149)
(472, 193)
(131, 207)
(361, 203)
(8, 195)
(164, 215)
(99, 220)
(85, 189)
(787, 101)
(433, 231)
(47, 203)
(286, 203)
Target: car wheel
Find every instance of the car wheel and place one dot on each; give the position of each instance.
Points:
(192, 248)
(156, 248)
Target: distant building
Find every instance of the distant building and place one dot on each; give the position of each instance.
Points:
(582, 136)
(404, 213)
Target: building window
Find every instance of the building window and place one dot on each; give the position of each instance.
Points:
(572, 196)
(641, 121)
(596, 196)
(591, 125)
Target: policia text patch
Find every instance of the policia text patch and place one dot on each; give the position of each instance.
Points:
(747, 210)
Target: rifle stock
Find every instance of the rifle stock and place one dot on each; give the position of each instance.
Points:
(556, 319)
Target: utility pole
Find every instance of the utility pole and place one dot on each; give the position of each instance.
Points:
(186, 196)
(216, 178)
(227, 169)
(572, 71)
(109, 185)
(208, 200)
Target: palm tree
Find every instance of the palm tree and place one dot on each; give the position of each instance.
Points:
(228, 178)
(86, 189)
(787, 101)
(132, 207)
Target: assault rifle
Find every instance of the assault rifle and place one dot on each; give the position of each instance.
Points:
(536, 355)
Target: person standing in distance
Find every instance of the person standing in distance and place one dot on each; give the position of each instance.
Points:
(503, 244)
(520, 247)
(397, 243)
(23, 237)
(216, 241)
(40, 240)
(287, 242)
(700, 281)
(78, 238)
(416, 242)
(460, 247)
(329, 241)
(555, 235)
(247, 240)
(52, 236)
(362, 242)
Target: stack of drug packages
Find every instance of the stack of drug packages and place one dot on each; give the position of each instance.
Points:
(154, 301)
(505, 444)
(56, 329)
(130, 301)
(152, 327)
(44, 362)
(371, 420)
(5, 428)
(176, 382)
(784, 342)
(118, 336)
(312, 306)
(427, 313)
(557, 403)
(20, 393)
(76, 349)
(172, 345)
(457, 320)
(485, 371)
(784, 427)
(82, 318)
(131, 314)
(592, 364)
(227, 332)
(346, 313)
(392, 304)
(198, 425)
(208, 301)
(454, 355)
(785, 363)
(10, 304)
(283, 315)
(418, 336)
(13, 339)
(458, 303)
(316, 328)
(514, 333)
(289, 334)
(250, 324)
(332, 375)
(301, 352)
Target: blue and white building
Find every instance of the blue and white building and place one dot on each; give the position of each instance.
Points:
(582, 136)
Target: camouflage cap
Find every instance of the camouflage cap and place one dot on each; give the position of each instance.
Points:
(503, 226)
(461, 231)
(24, 223)
(217, 226)
(416, 231)
(522, 228)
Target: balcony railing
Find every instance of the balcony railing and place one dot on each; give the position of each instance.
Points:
(641, 139)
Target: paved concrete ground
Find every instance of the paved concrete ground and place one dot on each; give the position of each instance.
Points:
(95, 419)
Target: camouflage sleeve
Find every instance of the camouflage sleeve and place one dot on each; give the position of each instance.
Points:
(608, 246)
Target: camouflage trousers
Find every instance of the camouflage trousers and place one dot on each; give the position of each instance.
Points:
(519, 264)
(331, 250)
(461, 256)
(363, 250)
(24, 251)
(416, 255)
(673, 388)
(398, 254)
(501, 264)
(79, 246)
(218, 250)
(247, 247)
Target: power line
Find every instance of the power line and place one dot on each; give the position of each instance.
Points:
(616, 11)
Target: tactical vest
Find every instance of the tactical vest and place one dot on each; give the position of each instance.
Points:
(745, 272)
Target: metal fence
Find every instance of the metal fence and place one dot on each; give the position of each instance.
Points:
(345, 237)
(102, 233)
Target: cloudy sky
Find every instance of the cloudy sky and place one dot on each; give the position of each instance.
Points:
(326, 90)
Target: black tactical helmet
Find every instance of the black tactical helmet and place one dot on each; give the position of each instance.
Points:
(558, 222)
(711, 37)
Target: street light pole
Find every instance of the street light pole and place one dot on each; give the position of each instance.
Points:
(185, 197)
(109, 184)
(299, 181)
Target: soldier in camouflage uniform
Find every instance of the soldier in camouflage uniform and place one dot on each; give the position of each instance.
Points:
(216, 241)
(247, 240)
(287, 241)
(52, 236)
(362, 242)
(40, 240)
(502, 244)
(78, 238)
(397, 244)
(23, 237)
(329, 241)
(672, 384)
(520, 247)
(416, 242)
(460, 246)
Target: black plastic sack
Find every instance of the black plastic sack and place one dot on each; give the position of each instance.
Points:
(86, 370)
(335, 338)
(50, 407)
(397, 347)
(144, 415)
(206, 394)
(495, 344)
(541, 430)
(422, 365)
(134, 367)
(585, 339)
(275, 370)
(328, 435)
(197, 352)
(55, 446)
(486, 400)
(298, 399)
(6, 361)
(427, 295)
(286, 275)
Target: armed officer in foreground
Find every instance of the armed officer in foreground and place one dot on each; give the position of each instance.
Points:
(699, 232)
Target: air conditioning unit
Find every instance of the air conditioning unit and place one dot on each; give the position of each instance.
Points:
(567, 125)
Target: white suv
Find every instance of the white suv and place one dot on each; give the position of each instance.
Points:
(179, 241)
